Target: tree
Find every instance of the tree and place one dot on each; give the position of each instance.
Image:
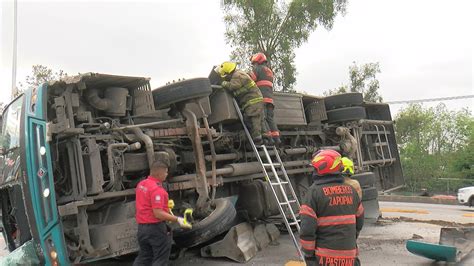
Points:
(435, 143)
(363, 80)
(276, 28)
(41, 74)
(342, 89)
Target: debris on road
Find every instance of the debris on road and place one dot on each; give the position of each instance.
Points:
(454, 245)
(435, 222)
(415, 236)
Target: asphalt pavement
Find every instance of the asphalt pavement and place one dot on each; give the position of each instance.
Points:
(382, 243)
(429, 212)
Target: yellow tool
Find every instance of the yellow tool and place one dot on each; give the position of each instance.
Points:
(188, 213)
(171, 206)
(188, 216)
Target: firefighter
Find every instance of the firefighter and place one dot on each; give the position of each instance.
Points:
(263, 76)
(152, 212)
(247, 94)
(348, 143)
(331, 215)
(348, 171)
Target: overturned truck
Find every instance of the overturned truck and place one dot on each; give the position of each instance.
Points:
(74, 150)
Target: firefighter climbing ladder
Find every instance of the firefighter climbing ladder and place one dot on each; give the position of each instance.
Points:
(277, 184)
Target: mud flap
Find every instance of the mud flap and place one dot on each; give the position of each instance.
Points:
(371, 210)
(24, 255)
(239, 244)
(454, 245)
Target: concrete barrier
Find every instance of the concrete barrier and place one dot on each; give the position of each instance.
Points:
(417, 199)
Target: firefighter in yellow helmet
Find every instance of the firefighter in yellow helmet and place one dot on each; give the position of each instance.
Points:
(247, 94)
(348, 171)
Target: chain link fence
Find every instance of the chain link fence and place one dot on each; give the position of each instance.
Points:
(443, 186)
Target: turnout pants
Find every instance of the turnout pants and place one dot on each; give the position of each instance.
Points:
(253, 117)
(154, 241)
(269, 126)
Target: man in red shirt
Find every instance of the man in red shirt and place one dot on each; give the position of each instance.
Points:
(152, 213)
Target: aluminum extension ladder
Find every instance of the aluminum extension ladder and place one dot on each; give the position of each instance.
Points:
(286, 202)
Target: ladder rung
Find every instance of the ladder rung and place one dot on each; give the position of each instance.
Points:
(270, 164)
(278, 183)
(293, 223)
(287, 202)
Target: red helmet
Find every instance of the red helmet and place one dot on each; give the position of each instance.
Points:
(258, 58)
(327, 162)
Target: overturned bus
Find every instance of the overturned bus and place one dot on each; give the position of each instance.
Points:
(73, 151)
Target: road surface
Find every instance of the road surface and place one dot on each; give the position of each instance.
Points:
(379, 244)
(428, 212)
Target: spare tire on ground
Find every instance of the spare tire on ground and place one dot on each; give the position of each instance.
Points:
(365, 179)
(346, 114)
(181, 91)
(343, 100)
(219, 221)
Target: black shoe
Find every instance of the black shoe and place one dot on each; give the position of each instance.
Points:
(268, 142)
(258, 141)
(277, 141)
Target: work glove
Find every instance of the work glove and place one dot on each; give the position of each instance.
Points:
(183, 223)
(225, 84)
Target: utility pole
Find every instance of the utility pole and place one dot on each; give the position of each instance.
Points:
(14, 88)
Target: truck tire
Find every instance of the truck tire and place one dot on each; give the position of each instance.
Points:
(346, 114)
(369, 193)
(343, 100)
(181, 91)
(219, 221)
(365, 179)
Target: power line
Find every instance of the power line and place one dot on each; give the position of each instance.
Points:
(432, 99)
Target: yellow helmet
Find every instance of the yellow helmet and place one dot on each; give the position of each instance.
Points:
(226, 68)
(348, 166)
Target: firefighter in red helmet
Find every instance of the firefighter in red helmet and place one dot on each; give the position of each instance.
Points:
(331, 215)
(263, 76)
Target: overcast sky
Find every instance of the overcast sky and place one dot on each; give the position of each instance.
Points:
(424, 47)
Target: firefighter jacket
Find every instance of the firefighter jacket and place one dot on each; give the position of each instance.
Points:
(331, 218)
(263, 76)
(243, 89)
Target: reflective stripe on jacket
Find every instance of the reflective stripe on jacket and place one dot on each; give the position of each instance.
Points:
(243, 88)
(263, 76)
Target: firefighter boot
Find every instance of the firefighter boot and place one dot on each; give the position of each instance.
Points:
(277, 141)
(258, 140)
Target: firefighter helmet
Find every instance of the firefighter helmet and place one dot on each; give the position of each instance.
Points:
(327, 162)
(226, 68)
(258, 58)
(348, 165)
